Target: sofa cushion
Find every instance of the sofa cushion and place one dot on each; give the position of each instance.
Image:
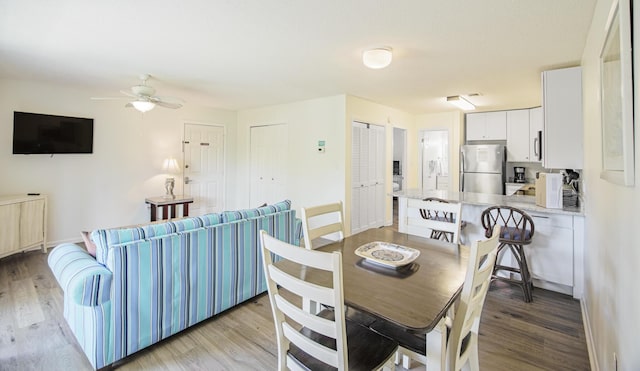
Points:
(187, 224)
(157, 230)
(231, 216)
(103, 238)
(211, 219)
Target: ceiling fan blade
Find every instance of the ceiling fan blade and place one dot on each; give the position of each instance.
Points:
(168, 104)
(108, 98)
(128, 94)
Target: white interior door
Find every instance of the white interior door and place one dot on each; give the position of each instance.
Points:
(368, 164)
(434, 153)
(204, 175)
(268, 160)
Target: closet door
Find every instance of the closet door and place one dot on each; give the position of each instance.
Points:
(269, 146)
(368, 159)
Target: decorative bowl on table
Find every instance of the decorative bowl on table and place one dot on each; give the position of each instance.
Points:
(387, 254)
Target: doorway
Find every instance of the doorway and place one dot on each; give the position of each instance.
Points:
(399, 159)
(434, 159)
(204, 174)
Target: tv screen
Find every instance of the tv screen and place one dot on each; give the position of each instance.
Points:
(35, 133)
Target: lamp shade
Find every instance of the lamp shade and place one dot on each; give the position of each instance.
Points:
(170, 165)
(143, 106)
(377, 58)
(461, 103)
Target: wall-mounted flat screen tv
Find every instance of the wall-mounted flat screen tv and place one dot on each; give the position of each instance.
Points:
(35, 133)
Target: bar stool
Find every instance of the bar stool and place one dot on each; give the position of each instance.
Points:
(517, 231)
(443, 217)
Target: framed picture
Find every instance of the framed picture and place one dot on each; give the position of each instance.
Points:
(616, 83)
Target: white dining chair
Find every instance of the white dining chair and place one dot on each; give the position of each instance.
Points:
(436, 219)
(322, 221)
(326, 340)
(460, 334)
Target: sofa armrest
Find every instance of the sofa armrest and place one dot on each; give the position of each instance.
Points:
(81, 277)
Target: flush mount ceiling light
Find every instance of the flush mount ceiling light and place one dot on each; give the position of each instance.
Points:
(143, 106)
(461, 103)
(377, 58)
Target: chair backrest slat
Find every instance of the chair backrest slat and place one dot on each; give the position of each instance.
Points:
(322, 220)
(436, 216)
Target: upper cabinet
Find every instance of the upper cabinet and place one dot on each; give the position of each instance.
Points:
(563, 131)
(518, 135)
(524, 134)
(487, 126)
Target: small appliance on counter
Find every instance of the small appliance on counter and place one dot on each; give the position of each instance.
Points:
(549, 190)
(518, 175)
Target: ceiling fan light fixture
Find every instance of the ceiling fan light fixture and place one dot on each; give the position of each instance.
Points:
(377, 58)
(143, 106)
(461, 103)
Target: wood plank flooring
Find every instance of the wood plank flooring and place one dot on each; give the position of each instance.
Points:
(544, 335)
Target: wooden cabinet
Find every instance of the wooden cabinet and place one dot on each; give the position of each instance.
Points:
(522, 134)
(563, 128)
(487, 126)
(22, 223)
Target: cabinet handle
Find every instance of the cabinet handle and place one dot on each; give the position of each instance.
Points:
(539, 216)
(535, 146)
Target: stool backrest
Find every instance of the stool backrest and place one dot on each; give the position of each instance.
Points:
(518, 227)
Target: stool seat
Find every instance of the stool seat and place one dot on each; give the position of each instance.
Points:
(517, 230)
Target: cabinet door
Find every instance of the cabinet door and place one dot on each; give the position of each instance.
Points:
(476, 123)
(496, 125)
(9, 228)
(536, 124)
(563, 118)
(550, 254)
(31, 223)
(518, 135)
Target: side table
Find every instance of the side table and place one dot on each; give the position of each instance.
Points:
(168, 203)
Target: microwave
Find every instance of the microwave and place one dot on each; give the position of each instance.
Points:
(549, 190)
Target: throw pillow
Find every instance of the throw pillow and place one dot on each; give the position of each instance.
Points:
(91, 247)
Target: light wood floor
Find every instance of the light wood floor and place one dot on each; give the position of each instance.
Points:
(544, 335)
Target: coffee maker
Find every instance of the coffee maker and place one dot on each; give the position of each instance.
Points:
(518, 172)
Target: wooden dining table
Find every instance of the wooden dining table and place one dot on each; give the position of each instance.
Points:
(415, 297)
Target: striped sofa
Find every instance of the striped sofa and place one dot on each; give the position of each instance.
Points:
(149, 282)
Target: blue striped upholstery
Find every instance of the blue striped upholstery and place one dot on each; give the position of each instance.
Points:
(149, 288)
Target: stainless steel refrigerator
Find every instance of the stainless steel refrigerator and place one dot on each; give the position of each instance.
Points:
(482, 168)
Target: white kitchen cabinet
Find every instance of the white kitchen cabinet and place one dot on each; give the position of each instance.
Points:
(518, 135)
(550, 254)
(536, 133)
(563, 128)
(522, 134)
(22, 223)
(487, 125)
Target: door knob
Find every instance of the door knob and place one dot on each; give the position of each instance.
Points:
(186, 180)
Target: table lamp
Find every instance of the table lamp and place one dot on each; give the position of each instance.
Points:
(170, 166)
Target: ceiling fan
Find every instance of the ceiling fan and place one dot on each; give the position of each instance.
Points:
(143, 98)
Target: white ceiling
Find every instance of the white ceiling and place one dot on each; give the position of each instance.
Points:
(239, 54)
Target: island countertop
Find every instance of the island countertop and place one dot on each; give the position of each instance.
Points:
(526, 203)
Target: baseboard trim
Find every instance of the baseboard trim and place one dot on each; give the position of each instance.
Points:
(593, 358)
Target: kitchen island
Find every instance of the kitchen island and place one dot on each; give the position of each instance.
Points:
(555, 255)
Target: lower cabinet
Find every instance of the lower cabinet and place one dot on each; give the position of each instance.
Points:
(550, 254)
(554, 255)
(22, 223)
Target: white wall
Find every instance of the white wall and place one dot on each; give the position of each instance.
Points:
(106, 188)
(612, 251)
(453, 122)
(311, 178)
